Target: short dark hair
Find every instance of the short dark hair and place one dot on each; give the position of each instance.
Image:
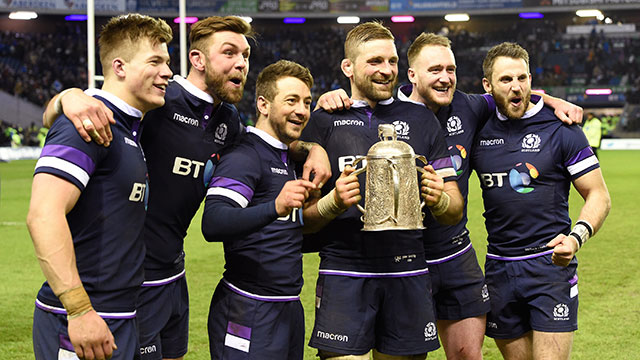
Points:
(507, 49)
(119, 36)
(201, 32)
(269, 76)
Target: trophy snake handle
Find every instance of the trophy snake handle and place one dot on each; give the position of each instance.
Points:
(396, 189)
(356, 173)
(420, 169)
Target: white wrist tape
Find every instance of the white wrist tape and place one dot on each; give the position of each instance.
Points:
(57, 105)
(328, 207)
(442, 205)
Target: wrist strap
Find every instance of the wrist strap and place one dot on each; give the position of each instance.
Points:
(57, 105)
(582, 230)
(76, 301)
(328, 207)
(587, 225)
(442, 205)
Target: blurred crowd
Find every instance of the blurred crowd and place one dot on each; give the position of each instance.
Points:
(35, 66)
(15, 136)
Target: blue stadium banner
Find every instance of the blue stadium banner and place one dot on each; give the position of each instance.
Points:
(211, 6)
(75, 5)
(535, 3)
(358, 5)
(304, 5)
(428, 5)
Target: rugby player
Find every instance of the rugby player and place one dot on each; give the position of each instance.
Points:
(181, 144)
(526, 162)
(254, 205)
(88, 202)
(373, 287)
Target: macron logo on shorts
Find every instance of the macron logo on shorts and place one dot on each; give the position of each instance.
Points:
(330, 336)
(238, 337)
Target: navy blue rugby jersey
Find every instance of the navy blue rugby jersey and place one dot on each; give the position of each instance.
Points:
(179, 139)
(525, 168)
(460, 121)
(107, 221)
(347, 135)
(268, 261)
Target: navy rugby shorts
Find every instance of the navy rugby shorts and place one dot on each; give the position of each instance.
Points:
(51, 338)
(357, 314)
(163, 318)
(242, 328)
(532, 294)
(458, 287)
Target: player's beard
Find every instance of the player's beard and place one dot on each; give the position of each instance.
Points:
(503, 105)
(216, 86)
(368, 89)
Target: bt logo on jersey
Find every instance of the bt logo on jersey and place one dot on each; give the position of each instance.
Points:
(348, 160)
(520, 178)
(185, 167)
(137, 192)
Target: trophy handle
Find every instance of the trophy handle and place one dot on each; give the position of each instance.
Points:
(356, 173)
(396, 189)
(420, 169)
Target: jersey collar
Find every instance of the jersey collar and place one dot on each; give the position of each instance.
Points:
(402, 95)
(364, 103)
(529, 113)
(267, 138)
(116, 101)
(192, 89)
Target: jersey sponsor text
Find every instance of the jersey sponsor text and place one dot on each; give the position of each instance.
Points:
(185, 119)
(185, 167)
(348, 122)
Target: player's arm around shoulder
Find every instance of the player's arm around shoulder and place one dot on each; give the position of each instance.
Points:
(51, 199)
(316, 161)
(90, 116)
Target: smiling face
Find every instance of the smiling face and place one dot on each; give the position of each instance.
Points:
(510, 85)
(226, 66)
(147, 76)
(374, 71)
(433, 75)
(287, 114)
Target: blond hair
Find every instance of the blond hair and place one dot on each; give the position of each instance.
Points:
(363, 33)
(426, 39)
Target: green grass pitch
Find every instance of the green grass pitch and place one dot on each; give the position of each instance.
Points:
(609, 319)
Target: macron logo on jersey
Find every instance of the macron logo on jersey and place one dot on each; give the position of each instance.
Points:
(130, 142)
(491, 142)
(185, 119)
(279, 171)
(348, 122)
